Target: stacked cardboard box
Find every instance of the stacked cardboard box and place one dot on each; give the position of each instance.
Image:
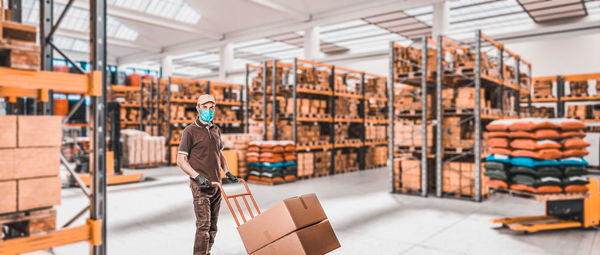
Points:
(459, 179)
(308, 133)
(580, 111)
(375, 132)
(141, 149)
(412, 59)
(465, 97)
(409, 133)
(315, 77)
(30, 156)
(542, 88)
(542, 112)
(375, 87)
(311, 106)
(578, 88)
(407, 174)
(406, 98)
(295, 225)
(239, 144)
(306, 163)
(376, 156)
(322, 160)
(346, 107)
(345, 161)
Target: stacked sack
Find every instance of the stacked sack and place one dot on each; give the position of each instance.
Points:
(271, 161)
(537, 155)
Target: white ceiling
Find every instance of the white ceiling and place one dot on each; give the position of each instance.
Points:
(191, 31)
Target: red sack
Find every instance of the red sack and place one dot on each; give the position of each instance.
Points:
(497, 134)
(523, 144)
(547, 144)
(574, 143)
(525, 153)
(543, 124)
(570, 134)
(497, 184)
(575, 153)
(521, 125)
(498, 142)
(502, 151)
(571, 125)
(548, 189)
(546, 134)
(522, 187)
(549, 154)
(576, 188)
(521, 134)
(498, 125)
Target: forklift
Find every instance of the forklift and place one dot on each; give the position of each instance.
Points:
(563, 211)
(114, 173)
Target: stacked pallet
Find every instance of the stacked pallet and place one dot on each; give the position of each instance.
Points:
(319, 79)
(29, 179)
(239, 144)
(310, 135)
(346, 108)
(542, 89)
(306, 163)
(18, 47)
(408, 101)
(537, 155)
(271, 162)
(142, 150)
(407, 175)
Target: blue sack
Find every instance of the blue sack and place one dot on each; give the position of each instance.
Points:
(523, 161)
(547, 162)
(573, 161)
(498, 158)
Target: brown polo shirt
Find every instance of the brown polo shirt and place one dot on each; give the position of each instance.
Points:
(202, 144)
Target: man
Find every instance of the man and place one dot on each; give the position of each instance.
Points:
(200, 157)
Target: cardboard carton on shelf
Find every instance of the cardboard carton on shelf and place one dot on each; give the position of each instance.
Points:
(8, 199)
(38, 192)
(39, 131)
(36, 162)
(284, 218)
(8, 131)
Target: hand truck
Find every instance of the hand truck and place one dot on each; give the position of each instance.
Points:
(237, 204)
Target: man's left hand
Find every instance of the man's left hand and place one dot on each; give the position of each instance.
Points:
(231, 177)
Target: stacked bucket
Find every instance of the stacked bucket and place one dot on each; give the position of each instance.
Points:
(271, 161)
(537, 155)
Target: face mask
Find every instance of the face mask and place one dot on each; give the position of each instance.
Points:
(207, 115)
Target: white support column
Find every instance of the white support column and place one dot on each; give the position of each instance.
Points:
(312, 44)
(166, 65)
(441, 20)
(226, 63)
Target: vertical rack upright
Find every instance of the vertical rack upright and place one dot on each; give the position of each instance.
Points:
(417, 77)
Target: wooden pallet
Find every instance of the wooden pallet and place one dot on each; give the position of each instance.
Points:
(27, 223)
(261, 182)
(144, 166)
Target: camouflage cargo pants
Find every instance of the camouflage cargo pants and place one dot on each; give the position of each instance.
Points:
(206, 208)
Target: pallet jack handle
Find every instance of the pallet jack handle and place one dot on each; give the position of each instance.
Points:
(234, 197)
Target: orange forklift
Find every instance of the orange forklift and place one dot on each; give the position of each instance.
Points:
(563, 211)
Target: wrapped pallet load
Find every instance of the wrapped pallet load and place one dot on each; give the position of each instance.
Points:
(537, 155)
(271, 161)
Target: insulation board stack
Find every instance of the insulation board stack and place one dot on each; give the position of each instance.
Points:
(141, 149)
(537, 155)
(30, 156)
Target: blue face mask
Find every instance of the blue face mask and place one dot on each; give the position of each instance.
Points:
(207, 115)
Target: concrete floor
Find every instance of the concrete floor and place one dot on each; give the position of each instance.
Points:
(156, 217)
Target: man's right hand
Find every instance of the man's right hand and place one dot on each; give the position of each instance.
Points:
(202, 182)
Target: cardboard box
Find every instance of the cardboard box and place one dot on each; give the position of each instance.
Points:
(8, 199)
(38, 131)
(8, 131)
(7, 158)
(37, 162)
(316, 239)
(285, 217)
(38, 193)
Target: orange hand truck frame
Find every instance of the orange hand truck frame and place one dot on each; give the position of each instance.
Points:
(237, 204)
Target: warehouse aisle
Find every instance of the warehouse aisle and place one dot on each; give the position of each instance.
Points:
(156, 217)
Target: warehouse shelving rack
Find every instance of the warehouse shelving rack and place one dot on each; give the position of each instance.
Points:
(189, 101)
(451, 76)
(369, 120)
(419, 81)
(252, 101)
(345, 76)
(278, 88)
(26, 83)
(148, 104)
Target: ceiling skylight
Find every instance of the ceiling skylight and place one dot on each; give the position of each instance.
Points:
(172, 9)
